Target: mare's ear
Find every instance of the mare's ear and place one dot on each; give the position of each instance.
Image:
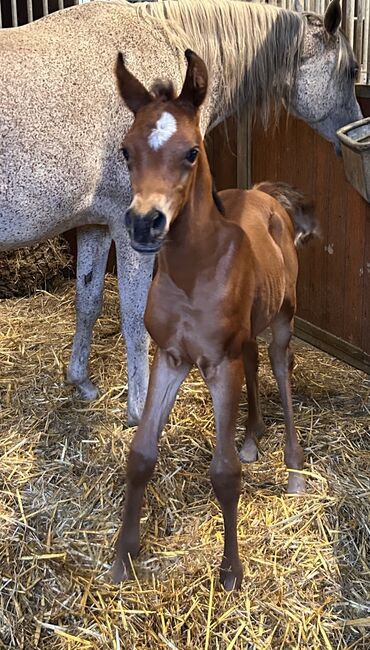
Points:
(297, 6)
(195, 85)
(132, 91)
(333, 16)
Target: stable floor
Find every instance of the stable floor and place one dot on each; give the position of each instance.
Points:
(62, 481)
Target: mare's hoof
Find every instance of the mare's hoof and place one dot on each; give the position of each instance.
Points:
(87, 391)
(296, 483)
(120, 571)
(249, 451)
(134, 412)
(231, 577)
(132, 420)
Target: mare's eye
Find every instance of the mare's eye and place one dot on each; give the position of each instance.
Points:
(353, 72)
(125, 153)
(192, 154)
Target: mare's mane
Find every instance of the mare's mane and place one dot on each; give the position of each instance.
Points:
(241, 45)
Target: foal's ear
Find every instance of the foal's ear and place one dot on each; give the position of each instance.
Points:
(132, 91)
(333, 16)
(195, 85)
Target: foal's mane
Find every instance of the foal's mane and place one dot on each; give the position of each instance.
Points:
(244, 41)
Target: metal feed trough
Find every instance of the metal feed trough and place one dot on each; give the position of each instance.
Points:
(355, 143)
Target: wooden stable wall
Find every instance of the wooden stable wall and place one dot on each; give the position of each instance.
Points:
(334, 279)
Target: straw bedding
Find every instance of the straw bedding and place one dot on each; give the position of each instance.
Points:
(41, 266)
(306, 559)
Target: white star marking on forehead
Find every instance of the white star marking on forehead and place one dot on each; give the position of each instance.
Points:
(165, 127)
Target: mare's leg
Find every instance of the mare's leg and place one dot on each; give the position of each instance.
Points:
(255, 425)
(225, 387)
(93, 243)
(165, 380)
(134, 277)
(281, 362)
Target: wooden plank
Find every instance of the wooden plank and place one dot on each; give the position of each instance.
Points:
(335, 245)
(221, 143)
(354, 267)
(244, 132)
(332, 344)
(312, 271)
(366, 285)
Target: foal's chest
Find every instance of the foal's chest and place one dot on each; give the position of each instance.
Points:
(193, 324)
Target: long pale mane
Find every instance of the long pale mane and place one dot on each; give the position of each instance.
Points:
(255, 48)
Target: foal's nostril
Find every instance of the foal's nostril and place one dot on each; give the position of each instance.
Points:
(158, 223)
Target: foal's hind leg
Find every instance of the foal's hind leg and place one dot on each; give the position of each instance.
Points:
(165, 380)
(135, 272)
(281, 361)
(255, 425)
(93, 243)
(225, 388)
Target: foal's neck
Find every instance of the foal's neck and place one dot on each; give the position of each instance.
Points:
(194, 238)
(198, 220)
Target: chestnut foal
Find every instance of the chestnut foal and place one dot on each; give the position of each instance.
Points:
(220, 282)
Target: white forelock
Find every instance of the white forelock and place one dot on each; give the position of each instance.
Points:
(165, 127)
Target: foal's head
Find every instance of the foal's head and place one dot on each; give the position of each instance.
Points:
(161, 150)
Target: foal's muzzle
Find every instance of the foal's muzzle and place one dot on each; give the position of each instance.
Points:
(146, 231)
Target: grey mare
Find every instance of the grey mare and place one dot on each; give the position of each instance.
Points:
(62, 122)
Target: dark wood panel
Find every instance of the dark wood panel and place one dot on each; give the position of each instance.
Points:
(354, 270)
(334, 279)
(334, 250)
(221, 150)
(366, 288)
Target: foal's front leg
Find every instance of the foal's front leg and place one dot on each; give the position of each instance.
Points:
(165, 380)
(225, 387)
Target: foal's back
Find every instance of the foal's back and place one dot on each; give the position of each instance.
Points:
(273, 262)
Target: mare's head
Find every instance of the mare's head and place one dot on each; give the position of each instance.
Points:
(161, 150)
(323, 93)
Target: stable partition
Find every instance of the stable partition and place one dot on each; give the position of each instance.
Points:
(334, 279)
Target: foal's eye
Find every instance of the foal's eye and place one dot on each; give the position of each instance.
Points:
(353, 72)
(125, 154)
(192, 154)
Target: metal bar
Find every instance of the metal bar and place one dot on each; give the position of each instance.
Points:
(350, 16)
(45, 7)
(365, 43)
(29, 11)
(14, 13)
(359, 32)
(1, 20)
(60, 4)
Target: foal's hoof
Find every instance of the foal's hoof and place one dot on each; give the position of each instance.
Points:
(120, 571)
(231, 576)
(296, 483)
(249, 451)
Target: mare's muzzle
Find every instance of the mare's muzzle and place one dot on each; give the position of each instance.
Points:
(146, 231)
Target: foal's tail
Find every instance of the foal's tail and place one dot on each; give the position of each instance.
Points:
(299, 209)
